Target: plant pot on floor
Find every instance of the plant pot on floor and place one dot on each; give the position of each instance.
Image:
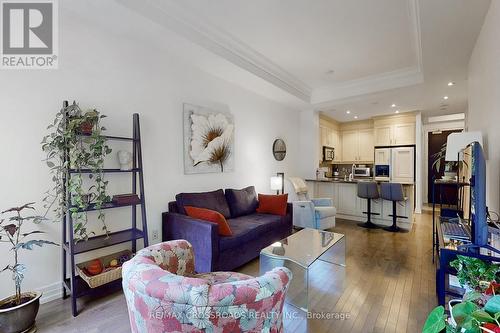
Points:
(20, 318)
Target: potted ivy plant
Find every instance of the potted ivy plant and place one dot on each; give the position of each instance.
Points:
(76, 143)
(18, 312)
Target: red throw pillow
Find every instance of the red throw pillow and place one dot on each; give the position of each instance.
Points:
(210, 216)
(272, 204)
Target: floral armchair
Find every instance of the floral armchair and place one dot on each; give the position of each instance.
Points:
(164, 294)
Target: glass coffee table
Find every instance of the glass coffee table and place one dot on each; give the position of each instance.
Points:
(301, 252)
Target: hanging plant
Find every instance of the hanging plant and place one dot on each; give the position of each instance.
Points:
(76, 143)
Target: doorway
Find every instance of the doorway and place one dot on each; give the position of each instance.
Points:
(436, 167)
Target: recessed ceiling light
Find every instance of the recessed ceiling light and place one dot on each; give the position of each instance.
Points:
(348, 112)
(393, 105)
(451, 83)
(330, 72)
(445, 97)
(355, 117)
(397, 111)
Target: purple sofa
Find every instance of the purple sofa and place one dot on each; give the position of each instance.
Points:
(251, 231)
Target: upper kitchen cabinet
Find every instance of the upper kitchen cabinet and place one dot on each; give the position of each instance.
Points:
(330, 137)
(350, 146)
(404, 134)
(395, 130)
(357, 146)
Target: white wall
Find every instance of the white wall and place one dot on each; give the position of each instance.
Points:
(484, 98)
(120, 76)
(309, 143)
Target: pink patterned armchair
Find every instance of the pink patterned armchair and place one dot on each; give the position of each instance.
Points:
(165, 295)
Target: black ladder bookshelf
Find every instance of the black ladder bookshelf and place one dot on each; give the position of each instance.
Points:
(75, 286)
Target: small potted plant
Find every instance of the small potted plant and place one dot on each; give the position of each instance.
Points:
(465, 317)
(475, 274)
(18, 312)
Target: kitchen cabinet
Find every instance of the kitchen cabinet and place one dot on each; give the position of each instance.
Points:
(331, 138)
(366, 147)
(383, 156)
(345, 203)
(376, 208)
(350, 207)
(403, 164)
(401, 210)
(357, 146)
(404, 134)
(350, 146)
(383, 135)
(324, 190)
(394, 134)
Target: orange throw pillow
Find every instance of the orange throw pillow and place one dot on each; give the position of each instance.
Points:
(210, 216)
(272, 204)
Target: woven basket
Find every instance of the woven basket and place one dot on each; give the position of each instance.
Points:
(95, 281)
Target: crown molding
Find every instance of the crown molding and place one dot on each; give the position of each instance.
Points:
(195, 28)
(384, 81)
(367, 85)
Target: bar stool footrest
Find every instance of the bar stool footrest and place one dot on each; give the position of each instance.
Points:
(371, 213)
(398, 216)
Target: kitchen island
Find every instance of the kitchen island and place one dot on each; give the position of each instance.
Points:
(345, 198)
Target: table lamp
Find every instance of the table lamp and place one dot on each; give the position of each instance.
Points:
(278, 183)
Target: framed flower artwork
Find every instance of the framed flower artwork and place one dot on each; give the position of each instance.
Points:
(208, 140)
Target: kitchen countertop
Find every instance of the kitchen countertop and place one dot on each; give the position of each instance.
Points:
(354, 181)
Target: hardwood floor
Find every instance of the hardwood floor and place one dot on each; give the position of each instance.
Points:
(387, 286)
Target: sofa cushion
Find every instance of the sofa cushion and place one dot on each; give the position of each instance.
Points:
(210, 216)
(248, 227)
(273, 204)
(242, 202)
(214, 200)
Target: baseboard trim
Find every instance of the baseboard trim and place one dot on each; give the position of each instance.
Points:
(51, 292)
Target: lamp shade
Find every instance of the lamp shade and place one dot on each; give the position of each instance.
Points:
(458, 141)
(276, 183)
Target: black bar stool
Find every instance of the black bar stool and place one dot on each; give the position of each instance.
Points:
(393, 192)
(368, 191)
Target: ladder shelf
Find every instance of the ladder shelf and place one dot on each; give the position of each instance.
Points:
(73, 285)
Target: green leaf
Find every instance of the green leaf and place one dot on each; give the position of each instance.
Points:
(483, 316)
(472, 296)
(462, 312)
(435, 322)
(50, 164)
(493, 305)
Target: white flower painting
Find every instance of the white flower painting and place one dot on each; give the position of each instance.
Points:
(208, 140)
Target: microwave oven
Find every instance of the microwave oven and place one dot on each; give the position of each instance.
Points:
(361, 172)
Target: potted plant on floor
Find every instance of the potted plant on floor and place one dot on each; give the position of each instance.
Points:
(18, 312)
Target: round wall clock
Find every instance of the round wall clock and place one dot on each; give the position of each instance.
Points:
(279, 149)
